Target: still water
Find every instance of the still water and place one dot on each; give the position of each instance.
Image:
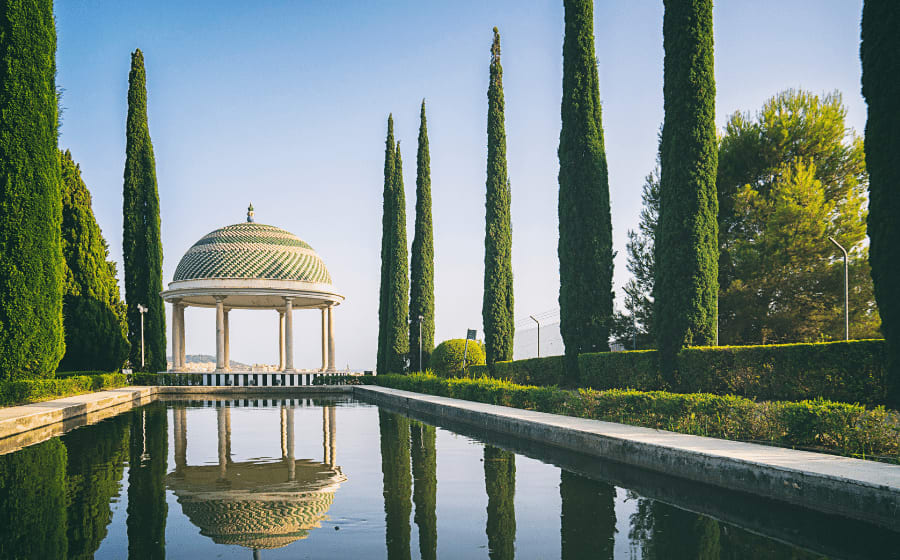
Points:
(337, 478)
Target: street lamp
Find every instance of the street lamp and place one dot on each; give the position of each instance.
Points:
(420, 343)
(538, 333)
(846, 289)
(143, 310)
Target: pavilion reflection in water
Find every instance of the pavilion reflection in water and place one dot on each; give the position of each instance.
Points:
(256, 504)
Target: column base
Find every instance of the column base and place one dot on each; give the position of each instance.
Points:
(292, 370)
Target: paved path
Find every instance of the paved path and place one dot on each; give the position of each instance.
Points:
(864, 490)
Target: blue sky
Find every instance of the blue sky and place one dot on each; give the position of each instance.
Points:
(284, 103)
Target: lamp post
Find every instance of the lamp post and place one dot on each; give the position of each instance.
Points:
(538, 335)
(846, 289)
(143, 310)
(420, 343)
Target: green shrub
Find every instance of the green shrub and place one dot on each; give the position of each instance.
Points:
(847, 429)
(534, 371)
(845, 371)
(447, 358)
(637, 369)
(33, 390)
(344, 380)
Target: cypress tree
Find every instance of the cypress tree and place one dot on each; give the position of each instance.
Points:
(881, 88)
(398, 302)
(497, 307)
(421, 292)
(93, 312)
(686, 245)
(31, 263)
(585, 224)
(500, 484)
(141, 243)
(386, 216)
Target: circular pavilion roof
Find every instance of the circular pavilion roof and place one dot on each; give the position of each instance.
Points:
(251, 250)
(252, 266)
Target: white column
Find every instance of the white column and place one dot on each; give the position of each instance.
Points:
(223, 443)
(220, 333)
(288, 335)
(227, 343)
(182, 359)
(324, 339)
(176, 352)
(292, 463)
(280, 340)
(331, 364)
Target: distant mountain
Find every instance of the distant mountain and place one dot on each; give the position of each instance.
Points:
(200, 358)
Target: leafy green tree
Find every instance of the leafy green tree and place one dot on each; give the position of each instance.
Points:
(398, 276)
(31, 263)
(386, 228)
(424, 470)
(147, 462)
(93, 312)
(33, 502)
(636, 325)
(500, 483)
(497, 311)
(141, 244)
(881, 88)
(585, 223)
(421, 292)
(789, 179)
(686, 246)
(395, 468)
(96, 462)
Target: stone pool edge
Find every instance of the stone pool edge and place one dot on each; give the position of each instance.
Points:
(864, 490)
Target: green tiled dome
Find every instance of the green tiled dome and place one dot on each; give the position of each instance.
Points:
(251, 250)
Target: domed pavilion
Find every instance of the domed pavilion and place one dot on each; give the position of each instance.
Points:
(252, 266)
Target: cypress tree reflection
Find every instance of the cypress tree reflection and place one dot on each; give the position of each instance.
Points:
(500, 483)
(588, 517)
(96, 461)
(424, 469)
(394, 431)
(667, 532)
(147, 458)
(33, 502)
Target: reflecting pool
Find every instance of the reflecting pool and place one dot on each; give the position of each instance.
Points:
(339, 478)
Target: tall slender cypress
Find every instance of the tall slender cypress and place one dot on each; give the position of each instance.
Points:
(421, 286)
(686, 245)
(500, 484)
(497, 307)
(585, 224)
(386, 217)
(141, 244)
(881, 88)
(31, 262)
(398, 302)
(93, 311)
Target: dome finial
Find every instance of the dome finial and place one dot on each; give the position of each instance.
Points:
(250, 213)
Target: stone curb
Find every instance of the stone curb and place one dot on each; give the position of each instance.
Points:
(863, 490)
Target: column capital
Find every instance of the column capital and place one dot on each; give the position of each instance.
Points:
(288, 299)
(220, 299)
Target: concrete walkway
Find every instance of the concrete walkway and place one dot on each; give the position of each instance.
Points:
(864, 490)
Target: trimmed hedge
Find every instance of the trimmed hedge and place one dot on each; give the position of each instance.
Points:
(447, 358)
(34, 390)
(846, 429)
(842, 371)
